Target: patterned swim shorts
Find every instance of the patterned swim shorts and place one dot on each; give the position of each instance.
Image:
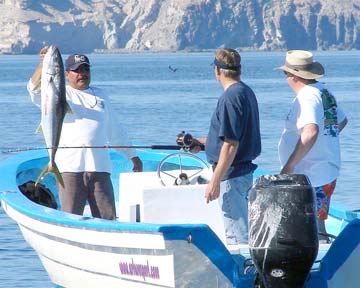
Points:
(323, 196)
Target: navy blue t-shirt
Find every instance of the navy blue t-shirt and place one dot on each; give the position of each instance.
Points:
(236, 118)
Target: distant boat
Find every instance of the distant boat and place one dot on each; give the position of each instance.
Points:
(165, 236)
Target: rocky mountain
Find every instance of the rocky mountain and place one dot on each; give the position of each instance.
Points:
(171, 25)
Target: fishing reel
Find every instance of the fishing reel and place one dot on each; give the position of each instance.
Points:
(185, 141)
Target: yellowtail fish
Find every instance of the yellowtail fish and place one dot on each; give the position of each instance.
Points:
(53, 107)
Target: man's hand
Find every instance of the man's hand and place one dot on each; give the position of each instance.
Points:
(43, 52)
(212, 191)
(195, 146)
(138, 165)
(287, 169)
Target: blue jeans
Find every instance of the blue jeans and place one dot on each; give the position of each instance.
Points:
(234, 204)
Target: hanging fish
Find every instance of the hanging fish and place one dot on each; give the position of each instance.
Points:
(53, 107)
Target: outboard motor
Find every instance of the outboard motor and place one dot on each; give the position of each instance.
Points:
(283, 239)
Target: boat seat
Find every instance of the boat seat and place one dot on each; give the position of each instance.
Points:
(167, 205)
(131, 186)
(181, 205)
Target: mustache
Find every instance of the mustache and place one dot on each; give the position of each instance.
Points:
(83, 78)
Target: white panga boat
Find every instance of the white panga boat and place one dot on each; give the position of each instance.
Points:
(165, 235)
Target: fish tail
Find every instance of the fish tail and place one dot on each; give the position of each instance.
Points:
(50, 168)
(56, 172)
(42, 175)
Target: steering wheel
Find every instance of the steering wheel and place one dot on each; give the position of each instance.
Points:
(171, 169)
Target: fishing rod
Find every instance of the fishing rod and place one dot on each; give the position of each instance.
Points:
(154, 147)
(184, 141)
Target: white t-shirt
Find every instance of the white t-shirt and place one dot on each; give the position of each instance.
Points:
(91, 123)
(322, 163)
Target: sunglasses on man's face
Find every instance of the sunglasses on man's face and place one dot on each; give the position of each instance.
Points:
(287, 74)
(82, 68)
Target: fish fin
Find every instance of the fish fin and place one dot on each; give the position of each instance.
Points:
(39, 129)
(38, 86)
(68, 109)
(50, 169)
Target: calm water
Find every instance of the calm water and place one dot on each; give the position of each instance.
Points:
(156, 104)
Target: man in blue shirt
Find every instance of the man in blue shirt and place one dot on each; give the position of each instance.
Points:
(233, 142)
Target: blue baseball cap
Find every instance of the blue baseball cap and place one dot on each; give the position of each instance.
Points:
(75, 60)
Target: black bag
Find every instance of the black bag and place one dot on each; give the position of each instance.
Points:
(39, 194)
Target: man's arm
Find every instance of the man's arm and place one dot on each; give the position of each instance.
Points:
(33, 86)
(138, 165)
(36, 77)
(226, 157)
(198, 145)
(307, 139)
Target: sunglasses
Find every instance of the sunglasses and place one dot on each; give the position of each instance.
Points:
(287, 74)
(82, 68)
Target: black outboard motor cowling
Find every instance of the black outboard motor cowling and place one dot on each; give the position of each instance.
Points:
(283, 237)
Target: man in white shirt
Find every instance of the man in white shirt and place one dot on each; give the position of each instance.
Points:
(309, 143)
(85, 171)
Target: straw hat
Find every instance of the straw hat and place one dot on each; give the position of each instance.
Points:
(301, 64)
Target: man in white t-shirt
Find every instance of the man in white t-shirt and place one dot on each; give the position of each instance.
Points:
(309, 143)
(85, 171)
